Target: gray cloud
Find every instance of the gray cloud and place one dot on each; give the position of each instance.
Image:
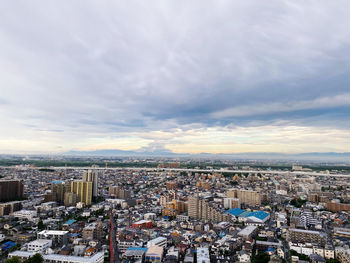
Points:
(101, 68)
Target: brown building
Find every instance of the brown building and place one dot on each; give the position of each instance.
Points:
(171, 185)
(306, 236)
(10, 207)
(203, 185)
(337, 207)
(173, 208)
(11, 190)
(247, 197)
(313, 197)
(118, 192)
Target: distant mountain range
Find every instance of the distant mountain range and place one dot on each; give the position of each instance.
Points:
(345, 156)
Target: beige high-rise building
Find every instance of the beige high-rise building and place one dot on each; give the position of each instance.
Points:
(247, 197)
(201, 209)
(231, 202)
(83, 190)
(70, 199)
(92, 176)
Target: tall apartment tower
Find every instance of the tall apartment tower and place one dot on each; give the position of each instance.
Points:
(58, 190)
(193, 206)
(92, 176)
(201, 209)
(83, 190)
(11, 190)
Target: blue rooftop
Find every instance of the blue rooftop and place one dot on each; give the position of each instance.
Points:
(245, 214)
(259, 214)
(7, 245)
(57, 182)
(70, 222)
(235, 211)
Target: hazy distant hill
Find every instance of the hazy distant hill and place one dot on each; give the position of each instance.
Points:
(309, 156)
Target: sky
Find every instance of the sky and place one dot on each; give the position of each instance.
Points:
(180, 76)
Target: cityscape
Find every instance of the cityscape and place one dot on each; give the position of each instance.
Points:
(171, 213)
(166, 131)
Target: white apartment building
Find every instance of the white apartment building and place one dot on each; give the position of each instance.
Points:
(159, 242)
(39, 245)
(58, 237)
(25, 214)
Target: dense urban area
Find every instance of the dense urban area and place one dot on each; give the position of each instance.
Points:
(132, 210)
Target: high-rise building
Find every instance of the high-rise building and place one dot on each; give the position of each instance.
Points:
(247, 197)
(202, 209)
(92, 176)
(11, 190)
(58, 190)
(231, 202)
(83, 190)
(70, 199)
(118, 192)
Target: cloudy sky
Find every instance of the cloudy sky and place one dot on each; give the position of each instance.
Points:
(184, 76)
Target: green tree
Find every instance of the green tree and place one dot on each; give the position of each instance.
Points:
(12, 260)
(261, 257)
(37, 258)
(41, 225)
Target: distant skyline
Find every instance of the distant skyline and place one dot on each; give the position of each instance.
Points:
(163, 76)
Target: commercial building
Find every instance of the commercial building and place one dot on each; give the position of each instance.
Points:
(154, 254)
(57, 258)
(83, 190)
(248, 232)
(11, 190)
(135, 253)
(248, 216)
